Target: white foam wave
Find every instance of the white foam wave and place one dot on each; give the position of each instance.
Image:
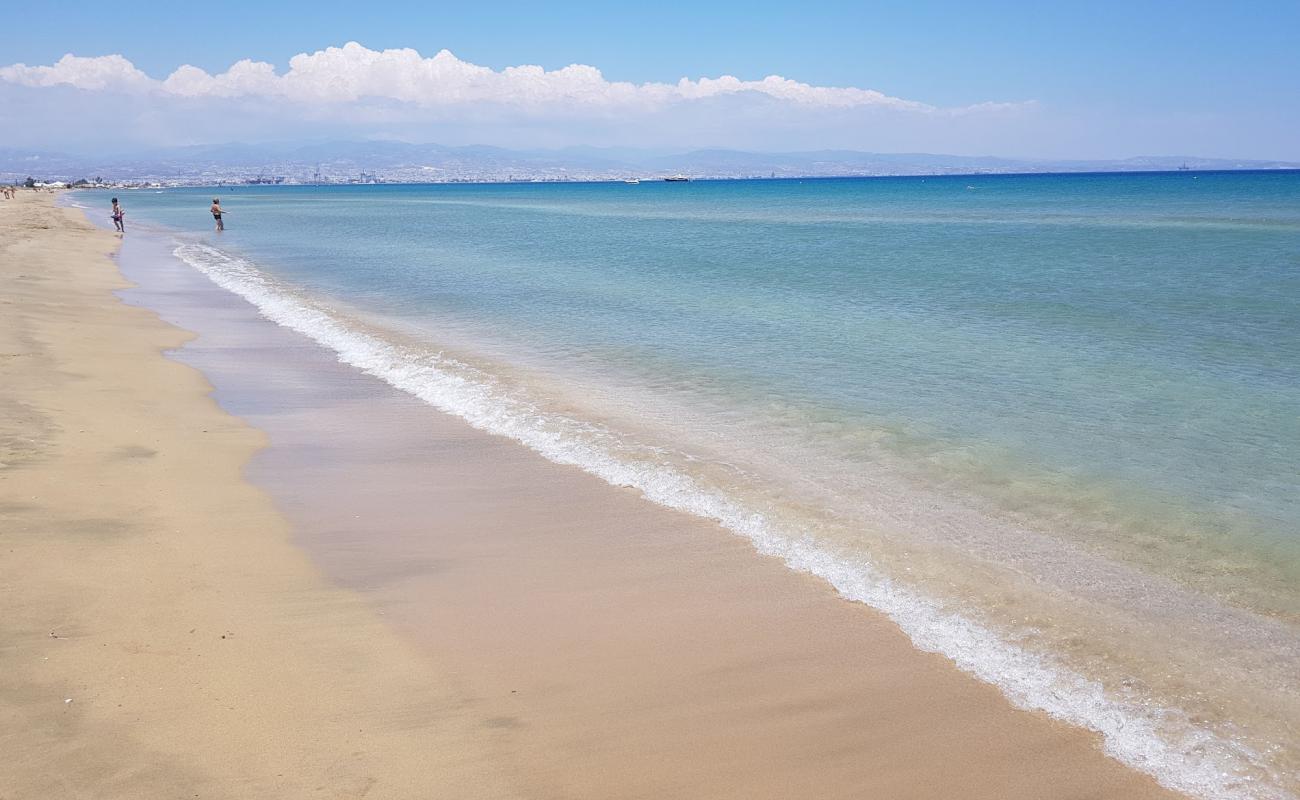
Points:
(1161, 742)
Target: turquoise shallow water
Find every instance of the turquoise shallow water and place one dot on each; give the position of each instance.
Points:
(1062, 409)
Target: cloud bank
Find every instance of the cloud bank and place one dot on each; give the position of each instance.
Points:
(353, 91)
(340, 75)
(106, 103)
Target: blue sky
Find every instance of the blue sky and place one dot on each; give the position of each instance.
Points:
(1097, 79)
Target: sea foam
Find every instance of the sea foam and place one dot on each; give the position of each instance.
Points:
(1161, 742)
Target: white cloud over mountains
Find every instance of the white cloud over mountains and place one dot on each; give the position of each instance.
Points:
(352, 92)
(101, 72)
(342, 75)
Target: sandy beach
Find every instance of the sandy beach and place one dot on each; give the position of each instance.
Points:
(388, 603)
(161, 637)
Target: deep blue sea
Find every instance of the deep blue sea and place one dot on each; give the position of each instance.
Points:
(1050, 424)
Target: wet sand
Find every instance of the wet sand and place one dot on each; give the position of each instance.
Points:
(504, 626)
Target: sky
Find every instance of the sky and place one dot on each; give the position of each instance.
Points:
(1099, 79)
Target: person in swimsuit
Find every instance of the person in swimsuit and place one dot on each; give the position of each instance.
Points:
(118, 214)
(216, 213)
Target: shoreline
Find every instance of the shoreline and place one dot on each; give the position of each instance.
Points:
(529, 628)
(1143, 692)
(599, 645)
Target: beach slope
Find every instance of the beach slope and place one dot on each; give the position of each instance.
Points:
(160, 636)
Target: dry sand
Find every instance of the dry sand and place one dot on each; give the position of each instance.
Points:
(474, 622)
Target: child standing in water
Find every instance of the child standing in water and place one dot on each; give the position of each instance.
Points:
(118, 214)
(216, 213)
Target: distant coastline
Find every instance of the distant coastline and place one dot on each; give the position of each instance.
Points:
(400, 163)
(651, 179)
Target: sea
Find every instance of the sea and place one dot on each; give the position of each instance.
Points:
(1048, 424)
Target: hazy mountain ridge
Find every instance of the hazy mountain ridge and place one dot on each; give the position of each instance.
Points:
(402, 161)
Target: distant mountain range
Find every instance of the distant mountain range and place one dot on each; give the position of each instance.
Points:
(366, 161)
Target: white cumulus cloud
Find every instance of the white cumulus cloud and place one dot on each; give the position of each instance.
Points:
(100, 72)
(342, 75)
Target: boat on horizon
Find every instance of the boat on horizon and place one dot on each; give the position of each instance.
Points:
(679, 178)
(632, 180)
